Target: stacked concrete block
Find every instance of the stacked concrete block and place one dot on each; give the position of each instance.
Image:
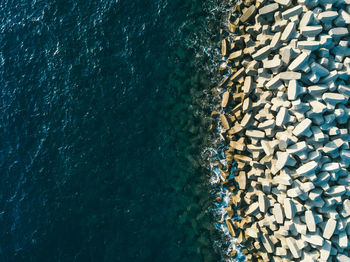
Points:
(285, 118)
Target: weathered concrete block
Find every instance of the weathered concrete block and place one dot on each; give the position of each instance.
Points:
(253, 209)
(248, 14)
(283, 179)
(238, 75)
(346, 208)
(225, 99)
(235, 55)
(307, 186)
(224, 122)
(317, 90)
(287, 54)
(282, 160)
(300, 226)
(318, 71)
(274, 83)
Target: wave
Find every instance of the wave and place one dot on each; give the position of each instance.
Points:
(213, 153)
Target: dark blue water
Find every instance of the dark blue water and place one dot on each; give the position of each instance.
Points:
(101, 130)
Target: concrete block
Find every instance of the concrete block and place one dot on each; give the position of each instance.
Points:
(248, 14)
(338, 32)
(290, 75)
(282, 117)
(307, 169)
(293, 247)
(289, 208)
(329, 229)
(288, 32)
(268, 9)
(310, 221)
(300, 62)
(296, 10)
(327, 16)
(311, 31)
(308, 45)
(313, 238)
(294, 89)
(303, 128)
(334, 98)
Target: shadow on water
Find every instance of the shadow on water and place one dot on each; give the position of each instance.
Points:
(102, 129)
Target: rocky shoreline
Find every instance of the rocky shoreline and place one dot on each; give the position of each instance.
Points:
(284, 118)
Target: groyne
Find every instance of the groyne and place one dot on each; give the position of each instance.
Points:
(284, 119)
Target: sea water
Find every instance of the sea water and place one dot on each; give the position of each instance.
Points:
(104, 118)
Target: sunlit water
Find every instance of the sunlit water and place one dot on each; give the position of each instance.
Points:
(104, 121)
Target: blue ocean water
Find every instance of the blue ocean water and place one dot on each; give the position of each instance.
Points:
(102, 126)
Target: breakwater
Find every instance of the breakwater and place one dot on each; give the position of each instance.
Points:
(284, 121)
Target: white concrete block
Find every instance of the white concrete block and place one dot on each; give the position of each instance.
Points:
(308, 45)
(338, 32)
(303, 128)
(289, 208)
(310, 221)
(282, 117)
(311, 31)
(307, 168)
(313, 238)
(268, 9)
(300, 62)
(329, 229)
(293, 247)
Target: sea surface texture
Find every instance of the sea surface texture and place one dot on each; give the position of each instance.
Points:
(103, 126)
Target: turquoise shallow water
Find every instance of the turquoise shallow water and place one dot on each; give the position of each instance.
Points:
(102, 128)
